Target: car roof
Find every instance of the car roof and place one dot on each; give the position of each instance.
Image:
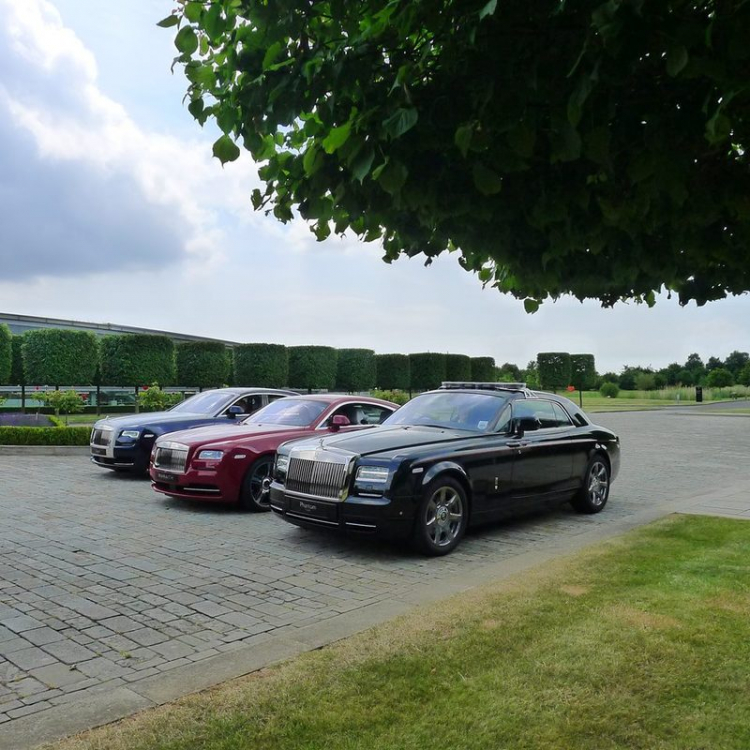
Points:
(238, 390)
(333, 398)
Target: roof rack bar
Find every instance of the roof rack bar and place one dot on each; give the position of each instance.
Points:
(454, 384)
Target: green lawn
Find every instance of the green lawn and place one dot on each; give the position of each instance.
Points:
(643, 642)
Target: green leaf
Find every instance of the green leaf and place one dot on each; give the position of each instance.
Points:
(531, 305)
(718, 128)
(193, 11)
(312, 161)
(488, 9)
(379, 169)
(337, 137)
(225, 149)
(462, 138)
(165, 23)
(213, 22)
(271, 55)
(401, 121)
(362, 164)
(677, 59)
(522, 139)
(186, 40)
(393, 177)
(486, 180)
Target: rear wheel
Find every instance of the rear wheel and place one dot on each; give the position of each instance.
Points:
(441, 518)
(252, 496)
(592, 497)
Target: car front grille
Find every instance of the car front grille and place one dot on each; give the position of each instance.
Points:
(170, 459)
(316, 478)
(101, 436)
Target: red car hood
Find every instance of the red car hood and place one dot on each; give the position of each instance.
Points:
(229, 435)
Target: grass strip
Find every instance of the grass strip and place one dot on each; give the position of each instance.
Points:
(642, 642)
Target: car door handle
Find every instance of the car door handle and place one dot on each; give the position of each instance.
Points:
(517, 444)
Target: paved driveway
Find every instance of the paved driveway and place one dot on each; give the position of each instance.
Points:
(113, 598)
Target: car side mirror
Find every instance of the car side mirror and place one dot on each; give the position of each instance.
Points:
(338, 421)
(526, 424)
(234, 411)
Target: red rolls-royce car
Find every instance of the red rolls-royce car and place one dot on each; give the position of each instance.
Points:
(229, 463)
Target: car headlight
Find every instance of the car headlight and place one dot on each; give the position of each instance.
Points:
(130, 434)
(282, 464)
(210, 455)
(372, 474)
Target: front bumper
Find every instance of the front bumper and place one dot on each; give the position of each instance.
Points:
(131, 458)
(359, 515)
(195, 484)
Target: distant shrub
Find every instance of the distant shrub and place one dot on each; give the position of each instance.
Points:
(392, 371)
(44, 435)
(482, 369)
(63, 402)
(719, 378)
(645, 381)
(202, 364)
(312, 367)
(610, 390)
(137, 359)
(261, 365)
(396, 397)
(583, 371)
(427, 370)
(744, 377)
(355, 370)
(153, 398)
(554, 370)
(17, 375)
(457, 367)
(56, 356)
(6, 353)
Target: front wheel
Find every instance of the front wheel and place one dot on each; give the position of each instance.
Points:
(442, 517)
(592, 497)
(252, 496)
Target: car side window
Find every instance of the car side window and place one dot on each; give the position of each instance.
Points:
(543, 412)
(249, 404)
(362, 414)
(562, 418)
(271, 397)
(503, 424)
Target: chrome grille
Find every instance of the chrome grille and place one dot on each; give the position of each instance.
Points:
(101, 436)
(170, 459)
(318, 478)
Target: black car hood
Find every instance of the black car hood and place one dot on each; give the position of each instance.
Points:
(387, 439)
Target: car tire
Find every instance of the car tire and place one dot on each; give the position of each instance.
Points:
(442, 517)
(594, 492)
(251, 496)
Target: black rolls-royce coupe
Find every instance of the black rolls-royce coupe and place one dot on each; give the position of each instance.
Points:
(461, 455)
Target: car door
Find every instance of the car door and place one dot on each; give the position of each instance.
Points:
(543, 464)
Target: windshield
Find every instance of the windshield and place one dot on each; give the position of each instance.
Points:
(296, 412)
(203, 403)
(460, 411)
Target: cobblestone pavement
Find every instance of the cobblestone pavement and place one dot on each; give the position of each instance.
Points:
(104, 584)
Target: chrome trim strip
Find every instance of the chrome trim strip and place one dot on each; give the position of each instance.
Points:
(361, 525)
(309, 519)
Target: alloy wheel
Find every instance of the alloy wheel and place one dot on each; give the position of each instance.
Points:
(444, 516)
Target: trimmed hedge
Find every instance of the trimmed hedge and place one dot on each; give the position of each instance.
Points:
(582, 371)
(261, 365)
(312, 367)
(457, 367)
(44, 435)
(137, 360)
(202, 364)
(392, 371)
(554, 370)
(427, 370)
(355, 370)
(6, 353)
(56, 356)
(482, 369)
(17, 375)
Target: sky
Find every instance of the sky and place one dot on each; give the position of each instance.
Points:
(112, 210)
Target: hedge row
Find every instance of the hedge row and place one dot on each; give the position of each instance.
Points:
(559, 370)
(61, 357)
(44, 435)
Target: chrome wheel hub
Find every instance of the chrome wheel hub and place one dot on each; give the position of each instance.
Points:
(445, 512)
(598, 483)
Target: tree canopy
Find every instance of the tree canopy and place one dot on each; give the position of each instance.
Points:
(597, 148)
